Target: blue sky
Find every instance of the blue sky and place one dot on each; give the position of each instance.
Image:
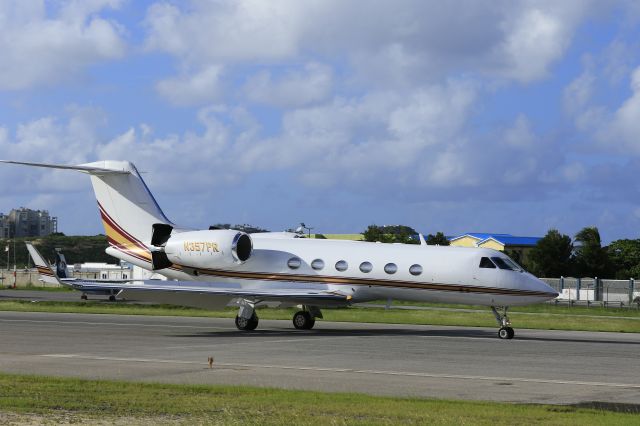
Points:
(509, 117)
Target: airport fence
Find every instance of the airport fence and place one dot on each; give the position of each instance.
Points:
(596, 291)
(26, 277)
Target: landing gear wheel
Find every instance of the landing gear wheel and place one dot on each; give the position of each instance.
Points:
(84, 297)
(303, 320)
(506, 333)
(112, 298)
(247, 324)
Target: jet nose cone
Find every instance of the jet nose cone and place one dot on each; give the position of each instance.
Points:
(543, 288)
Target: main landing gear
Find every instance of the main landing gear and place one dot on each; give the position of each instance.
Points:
(306, 319)
(247, 319)
(505, 331)
(247, 324)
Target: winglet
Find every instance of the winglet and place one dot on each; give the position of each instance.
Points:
(422, 241)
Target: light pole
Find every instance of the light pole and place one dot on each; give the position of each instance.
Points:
(15, 274)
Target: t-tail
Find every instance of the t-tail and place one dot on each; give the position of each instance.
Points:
(46, 272)
(126, 205)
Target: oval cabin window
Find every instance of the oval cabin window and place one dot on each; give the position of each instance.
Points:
(390, 268)
(366, 267)
(317, 264)
(415, 270)
(294, 263)
(342, 265)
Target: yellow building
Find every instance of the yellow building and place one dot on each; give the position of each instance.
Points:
(517, 247)
(354, 237)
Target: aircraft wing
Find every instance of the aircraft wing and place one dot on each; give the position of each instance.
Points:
(174, 291)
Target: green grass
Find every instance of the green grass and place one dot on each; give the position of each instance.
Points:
(554, 319)
(36, 399)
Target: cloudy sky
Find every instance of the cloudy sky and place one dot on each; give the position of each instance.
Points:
(454, 116)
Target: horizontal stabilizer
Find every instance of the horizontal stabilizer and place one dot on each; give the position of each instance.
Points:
(90, 168)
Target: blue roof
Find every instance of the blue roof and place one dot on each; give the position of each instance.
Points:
(480, 235)
(511, 240)
(504, 239)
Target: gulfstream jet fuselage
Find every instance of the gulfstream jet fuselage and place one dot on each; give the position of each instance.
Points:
(212, 267)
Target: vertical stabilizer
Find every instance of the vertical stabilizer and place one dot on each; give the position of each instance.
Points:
(47, 274)
(127, 207)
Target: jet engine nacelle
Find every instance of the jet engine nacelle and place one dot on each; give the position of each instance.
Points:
(209, 249)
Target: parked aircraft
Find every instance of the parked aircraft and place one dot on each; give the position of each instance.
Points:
(63, 276)
(211, 267)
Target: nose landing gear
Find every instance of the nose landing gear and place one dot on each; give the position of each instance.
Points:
(505, 331)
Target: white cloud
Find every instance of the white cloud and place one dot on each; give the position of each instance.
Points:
(577, 95)
(623, 128)
(38, 48)
(520, 134)
(193, 89)
(536, 37)
(386, 44)
(294, 89)
(226, 30)
(68, 140)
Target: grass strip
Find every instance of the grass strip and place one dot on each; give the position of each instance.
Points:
(550, 321)
(36, 398)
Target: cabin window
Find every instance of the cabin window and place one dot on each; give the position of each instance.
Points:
(415, 269)
(342, 265)
(317, 264)
(366, 267)
(390, 268)
(124, 276)
(501, 263)
(294, 263)
(104, 276)
(485, 262)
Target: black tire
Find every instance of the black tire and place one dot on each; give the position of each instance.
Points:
(112, 298)
(506, 333)
(503, 333)
(253, 323)
(247, 324)
(511, 332)
(303, 320)
(84, 297)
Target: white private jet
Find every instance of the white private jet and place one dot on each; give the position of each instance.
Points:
(212, 267)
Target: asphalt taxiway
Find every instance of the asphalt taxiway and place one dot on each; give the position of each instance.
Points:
(556, 367)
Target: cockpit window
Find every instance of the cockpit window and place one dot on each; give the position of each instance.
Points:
(513, 264)
(502, 264)
(485, 262)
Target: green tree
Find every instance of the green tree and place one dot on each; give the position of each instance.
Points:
(625, 258)
(390, 234)
(591, 258)
(552, 255)
(375, 233)
(437, 240)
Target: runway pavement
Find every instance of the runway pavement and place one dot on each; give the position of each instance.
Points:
(556, 367)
